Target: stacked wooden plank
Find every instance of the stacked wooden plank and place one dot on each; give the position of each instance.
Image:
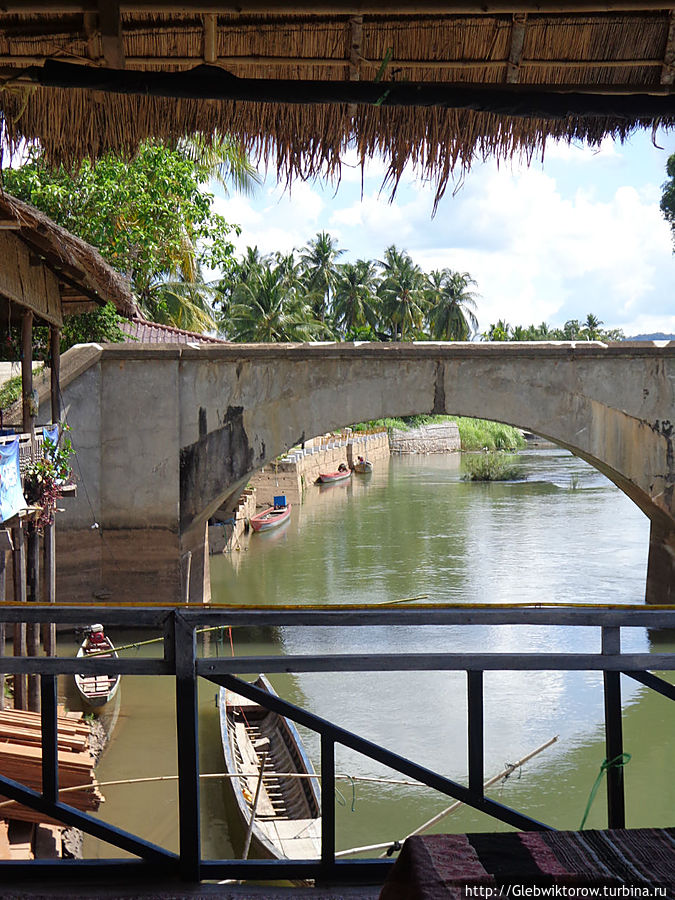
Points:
(21, 760)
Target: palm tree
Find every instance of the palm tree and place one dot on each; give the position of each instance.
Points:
(223, 159)
(452, 304)
(319, 260)
(184, 304)
(183, 298)
(265, 309)
(592, 328)
(499, 332)
(355, 298)
(402, 291)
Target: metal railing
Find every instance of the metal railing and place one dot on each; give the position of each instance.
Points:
(180, 659)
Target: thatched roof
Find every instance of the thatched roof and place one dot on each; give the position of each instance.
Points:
(85, 279)
(435, 83)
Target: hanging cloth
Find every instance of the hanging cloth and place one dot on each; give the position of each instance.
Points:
(11, 494)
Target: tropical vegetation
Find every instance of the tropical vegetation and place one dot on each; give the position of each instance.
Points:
(474, 434)
(668, 197)
(315, 295)
(572, 330)
(151, 217)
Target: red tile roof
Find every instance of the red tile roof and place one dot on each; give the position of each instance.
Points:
(138, 329)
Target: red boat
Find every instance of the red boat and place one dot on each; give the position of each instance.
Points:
(270, 518)
(331, 477)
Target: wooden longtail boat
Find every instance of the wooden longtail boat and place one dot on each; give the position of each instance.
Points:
(287, 816)
(270, 518)
(96, 690)
(332, 477)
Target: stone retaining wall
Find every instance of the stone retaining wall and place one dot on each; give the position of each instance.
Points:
(300, 468)
(440, 438)
(224, 537)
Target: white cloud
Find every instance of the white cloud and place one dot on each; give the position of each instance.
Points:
(582, 234)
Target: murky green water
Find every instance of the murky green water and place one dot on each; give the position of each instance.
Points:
(414, 527)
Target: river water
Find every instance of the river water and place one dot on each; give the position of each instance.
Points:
(415, 527)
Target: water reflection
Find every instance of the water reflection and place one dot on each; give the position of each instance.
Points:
(415, 527)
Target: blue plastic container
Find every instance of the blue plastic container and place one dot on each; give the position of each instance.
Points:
(280, 501)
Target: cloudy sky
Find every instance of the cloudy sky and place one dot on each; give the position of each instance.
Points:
(581, 232)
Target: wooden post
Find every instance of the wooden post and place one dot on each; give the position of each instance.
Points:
(49, 582)
(19, 566)
(27, 371)
(55, 357)
(33, 628)
(3, 572)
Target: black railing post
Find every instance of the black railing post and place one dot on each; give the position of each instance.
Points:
(327, 803)
(475, 731)
(187, 734)
(50, 738)
(616, 809)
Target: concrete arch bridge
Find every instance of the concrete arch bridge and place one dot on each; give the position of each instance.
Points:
(166, 434)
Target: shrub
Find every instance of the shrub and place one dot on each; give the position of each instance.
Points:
(490, 467)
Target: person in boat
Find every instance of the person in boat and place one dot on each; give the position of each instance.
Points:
(342, 467)
(360, 460)
(96, 639)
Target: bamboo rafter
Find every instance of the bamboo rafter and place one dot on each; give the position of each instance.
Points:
(339, 7)
(516, 51)
(668, 71)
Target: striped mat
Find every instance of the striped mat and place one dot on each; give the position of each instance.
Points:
(624, 864)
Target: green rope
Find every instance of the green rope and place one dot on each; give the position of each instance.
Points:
(618, 762)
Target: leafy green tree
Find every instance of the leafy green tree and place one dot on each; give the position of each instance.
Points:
(402, 291)
(150, 217)
(452, 304)
(668, 197)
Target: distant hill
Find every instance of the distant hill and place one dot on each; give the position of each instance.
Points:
(657, 336)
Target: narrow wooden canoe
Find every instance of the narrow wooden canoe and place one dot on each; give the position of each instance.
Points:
(97, 690)
(363, 468)
(287, 820)
(270, 518)
(331, 477)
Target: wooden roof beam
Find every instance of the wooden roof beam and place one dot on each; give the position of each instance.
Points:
(516, 50)
(212, 83)
(668, 71)
(330, 61)
(338, 7)
(210, 38)
(110, 25)
(356, 38)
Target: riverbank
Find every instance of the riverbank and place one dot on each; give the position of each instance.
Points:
(300, 467)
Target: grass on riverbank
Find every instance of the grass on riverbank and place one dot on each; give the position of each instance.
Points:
(474, 434)
(490, 467)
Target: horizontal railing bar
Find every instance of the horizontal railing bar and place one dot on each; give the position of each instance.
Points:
(71, 816)
(343, 617)
(374, 662)
(134, 870)
(356, 870)
(71, 665)
(660, 685)
(425, 662)
(380, 754)
(84, 615)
